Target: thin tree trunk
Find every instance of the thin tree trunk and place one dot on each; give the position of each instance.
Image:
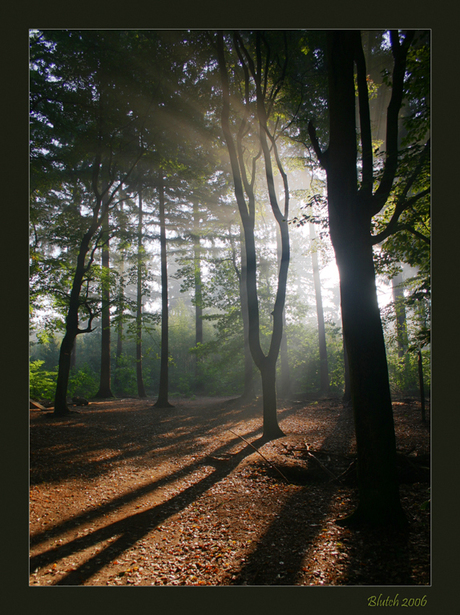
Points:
(284, 388)
(323, 365)
(421, 384)
(140, 255)
(105, 377)
(162, 401)
(248, 388)
(198, 294)
(244, 188)
(119, 350)
(401, 324)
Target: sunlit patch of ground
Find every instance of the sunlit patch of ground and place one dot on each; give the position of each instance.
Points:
(124, 494)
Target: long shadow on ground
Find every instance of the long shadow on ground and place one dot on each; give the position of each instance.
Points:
(129, 530)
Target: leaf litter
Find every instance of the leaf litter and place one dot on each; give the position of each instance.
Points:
(126, 494)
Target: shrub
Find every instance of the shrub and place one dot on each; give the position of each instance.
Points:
(42, 384)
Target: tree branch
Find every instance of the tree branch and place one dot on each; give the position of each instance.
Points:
(393, 225)
(364, 118)
(322, 157)
(391, 162)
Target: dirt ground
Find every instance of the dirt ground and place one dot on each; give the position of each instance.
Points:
(122, 493)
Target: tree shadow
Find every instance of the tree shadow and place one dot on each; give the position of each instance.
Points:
(368, 556)
(101, 435)
(125, 532)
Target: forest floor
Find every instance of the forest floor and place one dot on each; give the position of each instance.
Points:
(122, 493)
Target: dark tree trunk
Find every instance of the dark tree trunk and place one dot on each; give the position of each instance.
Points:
(105, 378)
(346, 399)
(350, 215)
(73, 356)
(162, 401)
(140, 254)
(270, 419)
(60, 398)
(323, 366)
(72, 330)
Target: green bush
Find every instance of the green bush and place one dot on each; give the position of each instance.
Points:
(42, 384)
(83, 383)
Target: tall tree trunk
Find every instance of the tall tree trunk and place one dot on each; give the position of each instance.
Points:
(323, 366)
(244, 188)
(421, 383)
(140, 256)
(400, 310)
(349, 219)
(105, 378)
(248, 388)
(119, 351)
(198, 293)
(346, 399)
(284, 388)
(162, 401)
(285, 377)
(73, 356)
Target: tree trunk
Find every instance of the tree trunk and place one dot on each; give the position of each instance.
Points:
(60, 398)
(400, 310)
(73, 356)
(270, 419)
(244, 188)
(105, 378)
(248, 390)
(349, 219)
(346, 399)
(162, 401)
(285, 377)
(284, 388)
(140, 254)
(198, 295)
(71, 331)
(119, 350)
(421, 384)
(323, 366)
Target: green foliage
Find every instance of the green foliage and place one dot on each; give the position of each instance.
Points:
(42, 383)
(83, 383)
(125, 374)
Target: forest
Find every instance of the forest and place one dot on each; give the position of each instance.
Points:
(230, 300)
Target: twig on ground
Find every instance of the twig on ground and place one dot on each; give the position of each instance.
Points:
(257, 451)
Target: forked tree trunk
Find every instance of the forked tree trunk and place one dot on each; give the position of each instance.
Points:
(72, 329)
(162, 401)
(349, 219)
(245, 197)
